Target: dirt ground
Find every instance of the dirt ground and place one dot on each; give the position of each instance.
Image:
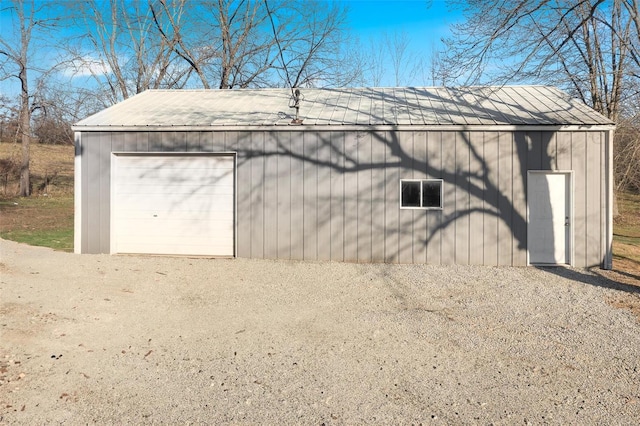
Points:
(115, 339)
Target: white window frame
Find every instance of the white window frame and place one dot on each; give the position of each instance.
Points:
(422, 181)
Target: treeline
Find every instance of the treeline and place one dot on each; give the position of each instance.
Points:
(68, 59)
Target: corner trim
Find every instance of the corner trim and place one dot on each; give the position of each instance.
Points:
(77, 193)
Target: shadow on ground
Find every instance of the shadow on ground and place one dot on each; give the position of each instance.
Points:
(614, 279)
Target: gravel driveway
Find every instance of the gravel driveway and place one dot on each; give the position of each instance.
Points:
(116, 339)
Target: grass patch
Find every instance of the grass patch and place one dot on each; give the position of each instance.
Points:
(45, 218)
(627, 249)
(39, 221)
(626, 234)
(61, 239)
(627, 225)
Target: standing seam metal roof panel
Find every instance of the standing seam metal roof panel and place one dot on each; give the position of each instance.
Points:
(515, 108)
(353, 106)
(496, 108)
(550, 95)
(507, 105)
(413, 110)
(426, 107)
(314, 109)
(539, 101)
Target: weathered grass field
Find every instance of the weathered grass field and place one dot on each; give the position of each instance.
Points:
(46, 218)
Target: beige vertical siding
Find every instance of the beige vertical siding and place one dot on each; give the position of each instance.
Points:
(478, 181)
(378, 199)
(336, 195)
(364, 176)
(257, 196)
(310, 185)
(391, 201)
(490, 215)
(517, 205)
(297, 196)
(271, 198)
(448, 227)
(351, 197)
(462, 199)
(505, 195)
(104, 161)
(594, 179)
(434, 217)
(283, 180)
(578, 165)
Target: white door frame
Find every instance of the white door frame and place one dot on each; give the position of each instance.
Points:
(569, 199)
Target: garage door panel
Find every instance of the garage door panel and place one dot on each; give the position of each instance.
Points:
(133, 239)
(195, 176)
(161, 203)
(176, 216)
(178, 249)
(218, 189)
(164, 162)
(164, 204)
(142, 228)
(175, 161)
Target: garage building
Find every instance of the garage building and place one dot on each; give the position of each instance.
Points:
(511, 175)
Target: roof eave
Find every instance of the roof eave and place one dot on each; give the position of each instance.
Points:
(353, 127)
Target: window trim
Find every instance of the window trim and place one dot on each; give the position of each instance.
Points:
(422, 181)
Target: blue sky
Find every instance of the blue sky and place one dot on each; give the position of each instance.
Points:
(422, 18)
(424, 22)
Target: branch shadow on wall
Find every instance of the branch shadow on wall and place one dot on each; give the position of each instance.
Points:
(460, 161)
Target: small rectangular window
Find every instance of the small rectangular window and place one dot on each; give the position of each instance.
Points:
(421, 194)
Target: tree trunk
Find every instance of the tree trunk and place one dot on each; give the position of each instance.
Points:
(25, 184)
(25, 121)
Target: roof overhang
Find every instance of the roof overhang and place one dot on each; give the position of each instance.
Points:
(352, 128)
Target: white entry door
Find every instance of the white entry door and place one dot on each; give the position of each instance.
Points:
(549, 217)
(173, 204)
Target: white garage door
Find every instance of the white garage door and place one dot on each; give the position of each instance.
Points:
(170, 204)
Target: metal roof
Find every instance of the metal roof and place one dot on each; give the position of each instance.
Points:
(398, 106)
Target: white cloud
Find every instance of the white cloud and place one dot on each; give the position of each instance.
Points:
(86, 66)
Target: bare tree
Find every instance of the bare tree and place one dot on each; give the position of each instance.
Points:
(9, 128)
(121, 49)
(591, 48)
(405, 63)
(130, 47)
(16, 46)
(56, 108)
(390, 58)
(172, 23)
(588, 47)
(375, 68)
(627, 155)
(245, 50)
(312, 45)
(258, 43)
